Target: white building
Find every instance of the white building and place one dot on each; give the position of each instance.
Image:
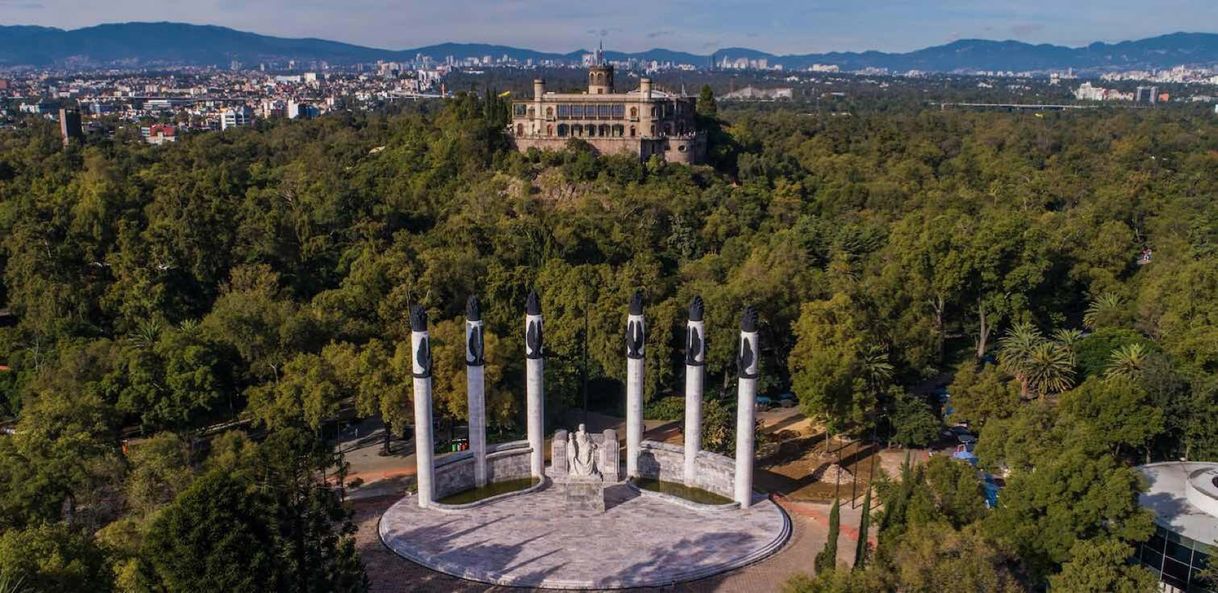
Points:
(1184, 499)
(236, 117)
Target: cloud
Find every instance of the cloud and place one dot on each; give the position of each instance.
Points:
(660, 33)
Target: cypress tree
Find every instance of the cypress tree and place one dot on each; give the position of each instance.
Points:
(860, 552)
(827, 559)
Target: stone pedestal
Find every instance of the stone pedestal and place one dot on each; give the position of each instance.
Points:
(608, 463)
(584, 494)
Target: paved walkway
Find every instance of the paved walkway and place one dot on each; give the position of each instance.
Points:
(534, 540)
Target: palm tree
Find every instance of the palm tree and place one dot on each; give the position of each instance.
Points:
(1068, 337)
(1127, 361)
(1015, 350)
(1040, 365)
(8, 585)
(1050, 369)
(1106, 309)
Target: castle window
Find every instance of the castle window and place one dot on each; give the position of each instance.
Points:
(632, 132)
(549, 112)
(562, 130)
(577, 130)
(518, 110)
(520, 129)
(653, 129)
(619, 111)
(564, 111)
(577, 111)
(667, 129)
(618, 131)
(604, 130)
(549, 130)
(634, 112)
(531, 112)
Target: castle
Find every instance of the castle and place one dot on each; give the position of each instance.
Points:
(645, 122)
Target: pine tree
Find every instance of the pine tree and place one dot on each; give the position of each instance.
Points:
(827, 559)
(860, 552)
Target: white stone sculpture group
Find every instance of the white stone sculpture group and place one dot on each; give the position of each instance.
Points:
(581, 454)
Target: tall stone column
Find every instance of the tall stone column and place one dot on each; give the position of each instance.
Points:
(746, 402)
(635, 338)
(424, 447)
(695, 375)
(475, 391)
(535, 385)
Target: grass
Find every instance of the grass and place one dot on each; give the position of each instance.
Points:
(489, 490)
(689, 493)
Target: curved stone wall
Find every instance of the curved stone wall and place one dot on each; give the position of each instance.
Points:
(665, 462)
(506, 461)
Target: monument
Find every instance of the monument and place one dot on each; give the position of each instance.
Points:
(577, 460)
(695, 375)
(475, 391)
(420, 349)
(587, 489)
(635, 339)
(535, 396)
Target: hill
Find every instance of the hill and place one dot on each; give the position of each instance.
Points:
(160, 44)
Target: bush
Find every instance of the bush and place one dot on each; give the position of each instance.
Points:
(665, 408)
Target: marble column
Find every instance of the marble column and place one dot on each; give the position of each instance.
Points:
(534, 385)
(746, 402)
(695, 375)
(424, 447)
(475, 391)
(635, 338)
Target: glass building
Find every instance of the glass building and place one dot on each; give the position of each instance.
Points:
(1184, 499)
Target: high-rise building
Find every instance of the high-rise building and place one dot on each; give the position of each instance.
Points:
(236, 117)
(69, 126)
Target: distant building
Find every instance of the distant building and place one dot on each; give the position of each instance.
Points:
(39, 108)
(643, 122)
(1147, 94)
(3, 84)
(158, 134)
(752, 93)
(1183, 496)
(69, 126)
(236, 117)
(297, 110)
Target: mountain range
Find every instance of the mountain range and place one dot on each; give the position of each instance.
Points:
(166, 44)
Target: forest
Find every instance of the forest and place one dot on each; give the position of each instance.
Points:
(187, 322)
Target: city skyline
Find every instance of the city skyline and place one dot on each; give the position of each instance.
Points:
(776, 26)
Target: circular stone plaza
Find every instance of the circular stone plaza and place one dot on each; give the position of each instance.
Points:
(663, 515)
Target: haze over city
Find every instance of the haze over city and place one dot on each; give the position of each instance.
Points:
(782, 26)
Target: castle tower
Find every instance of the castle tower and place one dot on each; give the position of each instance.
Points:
(600, 74)
(600, 79)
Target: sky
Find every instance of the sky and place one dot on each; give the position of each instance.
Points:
(703, 26)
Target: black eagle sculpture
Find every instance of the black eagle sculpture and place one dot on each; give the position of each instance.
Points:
(532, 337)
(476, 347)
(422, 356)
(746, 362)
(695, 345)
(634, 329)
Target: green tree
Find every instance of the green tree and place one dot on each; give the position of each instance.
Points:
(1103, 566)
(706, 106)
(980, 393)
(53, 559)
(863, 547)
(913, 422)
(826, 560)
